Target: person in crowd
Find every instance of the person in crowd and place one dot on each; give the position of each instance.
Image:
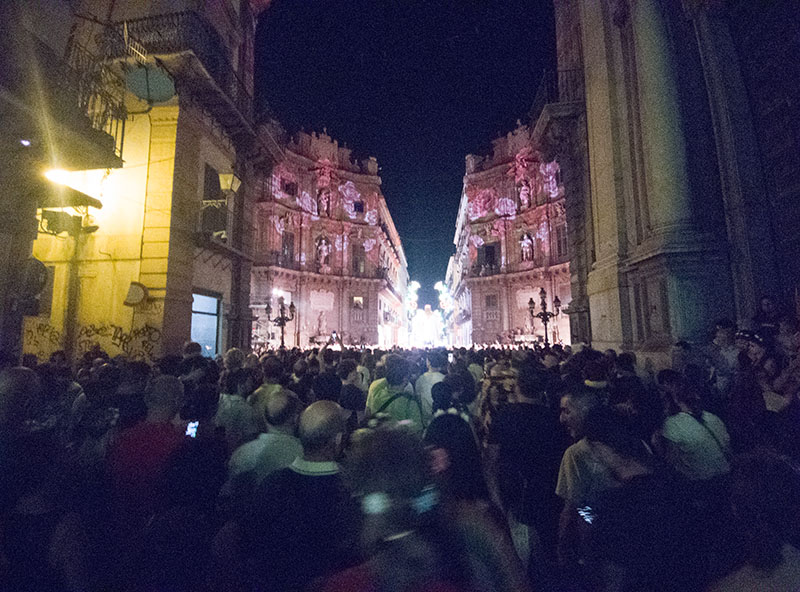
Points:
(351, 398)
(234, 415)
(138, 459)
(457, 471)
(582, 476)
(176, 548)
(43, 543)
(327, 386)
(301, 380)
(270, 451)
(366, 367)
(525, 449)
(764, 499)
(766, 321)
(394, 396)
(643, 536)
(693, 441)
(436, 363)
(303, 524)
(409, 543)
(272, 374)
(724, 355)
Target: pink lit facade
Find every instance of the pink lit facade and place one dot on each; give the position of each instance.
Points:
(324, 240)
(511, 241)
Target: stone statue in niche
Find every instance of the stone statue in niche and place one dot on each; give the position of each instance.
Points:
(524, 194)
(323, 252)
(526, 247)
(322, 324)
(324, 201)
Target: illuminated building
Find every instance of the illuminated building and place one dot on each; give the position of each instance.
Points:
(169, 252)
(511, 240)
(325, 241)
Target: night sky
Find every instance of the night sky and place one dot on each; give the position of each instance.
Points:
(417, 84)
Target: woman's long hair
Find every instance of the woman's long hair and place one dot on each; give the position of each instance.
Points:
(464, 479)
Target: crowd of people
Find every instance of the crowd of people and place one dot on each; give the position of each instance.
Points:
(406, 471)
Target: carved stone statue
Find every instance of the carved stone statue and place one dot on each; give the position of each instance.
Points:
(324, 201)
(322, 324)
(526, 247)
(524, 195)
(323, 251)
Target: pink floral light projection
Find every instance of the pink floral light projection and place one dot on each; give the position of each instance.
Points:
(483, 203)
(505, 207)
(524, 165)
(549, 174)
(372, 217)
(369, 244)
(476, 241)
(307, 203)
(341, 242)
(350, 196)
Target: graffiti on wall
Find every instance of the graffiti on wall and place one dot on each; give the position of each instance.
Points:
(138, 343)
(41, 338)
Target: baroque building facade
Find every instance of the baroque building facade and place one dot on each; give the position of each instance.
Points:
(511, 242)
(162, 253)
(682, 155)
(326, 242)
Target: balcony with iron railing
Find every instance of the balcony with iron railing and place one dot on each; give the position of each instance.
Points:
(561, 86)
(170, 36)
(77, 102)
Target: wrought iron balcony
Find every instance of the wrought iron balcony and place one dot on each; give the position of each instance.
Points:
(79, 95)
(169, 37)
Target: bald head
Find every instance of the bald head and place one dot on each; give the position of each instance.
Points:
(281, 408)
(322, 425)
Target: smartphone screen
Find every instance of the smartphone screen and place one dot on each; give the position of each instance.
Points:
(450, 358)
(191, 429)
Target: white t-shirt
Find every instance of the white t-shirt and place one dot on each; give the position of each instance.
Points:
(423, 389)
(692, 449)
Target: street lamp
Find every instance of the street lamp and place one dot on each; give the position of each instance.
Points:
(282, 319)
(544, 315)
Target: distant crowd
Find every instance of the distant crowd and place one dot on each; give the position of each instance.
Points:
(459, 470)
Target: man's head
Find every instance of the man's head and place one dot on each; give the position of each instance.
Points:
(163, 397)
(234, 359)
(321, 430)
(192, 348)
(724, 332)
(575, 406)
(397, 370)
(437, 361)
(530, 385)
(327, 386)
(272, 368)
(282, 409)
(347, 371)
(300, 368)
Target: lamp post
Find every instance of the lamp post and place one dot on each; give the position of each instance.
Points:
(545, 315)
(282, 319)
